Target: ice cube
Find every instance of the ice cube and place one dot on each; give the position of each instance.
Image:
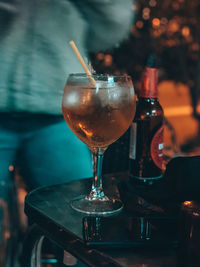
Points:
(71, 99)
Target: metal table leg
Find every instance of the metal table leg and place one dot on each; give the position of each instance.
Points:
(36, 253)
(31, 249)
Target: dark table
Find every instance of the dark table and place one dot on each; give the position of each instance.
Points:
(143, 234)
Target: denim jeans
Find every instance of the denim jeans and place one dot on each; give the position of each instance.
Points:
(43, 148)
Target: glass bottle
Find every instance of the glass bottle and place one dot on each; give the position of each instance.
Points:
(146, 138)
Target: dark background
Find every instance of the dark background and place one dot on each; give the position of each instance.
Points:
(170, 29)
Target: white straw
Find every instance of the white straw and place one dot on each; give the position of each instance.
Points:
(88, 73)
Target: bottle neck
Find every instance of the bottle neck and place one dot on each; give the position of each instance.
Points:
(149, 87)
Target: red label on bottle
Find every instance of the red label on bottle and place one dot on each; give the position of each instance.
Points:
(157, 148)
(149, 83)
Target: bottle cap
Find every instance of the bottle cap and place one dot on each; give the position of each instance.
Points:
(149, 83)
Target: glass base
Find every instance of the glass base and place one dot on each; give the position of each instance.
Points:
(148, 180)
(98, 207)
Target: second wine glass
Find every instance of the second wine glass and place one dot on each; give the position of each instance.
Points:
(98, 111)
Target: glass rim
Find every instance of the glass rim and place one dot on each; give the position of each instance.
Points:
(100, 75)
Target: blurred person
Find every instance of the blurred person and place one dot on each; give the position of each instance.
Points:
(35, 60)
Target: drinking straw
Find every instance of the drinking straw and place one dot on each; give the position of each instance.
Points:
(88, 73)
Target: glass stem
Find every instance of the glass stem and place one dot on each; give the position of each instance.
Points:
(97, 188)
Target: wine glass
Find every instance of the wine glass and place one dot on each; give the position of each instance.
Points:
(99, 110)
